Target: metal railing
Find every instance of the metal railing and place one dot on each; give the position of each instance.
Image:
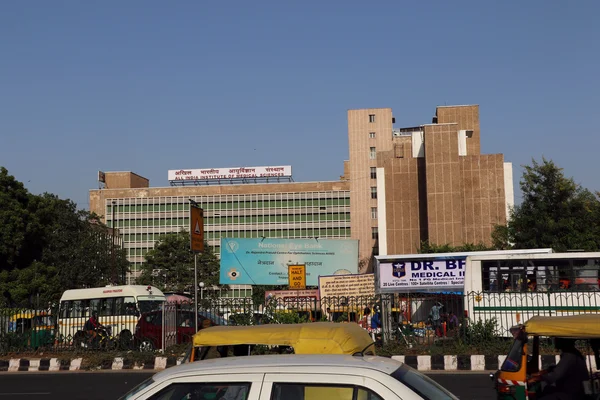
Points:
(416, 321)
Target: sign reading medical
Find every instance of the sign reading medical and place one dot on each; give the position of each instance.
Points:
(416, 275)
(229, 173)
(354, 285)
(265, 261)
(297, 277)
(196, 228)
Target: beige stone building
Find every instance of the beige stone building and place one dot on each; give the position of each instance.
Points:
(400, 186)
(429, 182)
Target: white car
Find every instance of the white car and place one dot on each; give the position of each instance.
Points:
(291, 377)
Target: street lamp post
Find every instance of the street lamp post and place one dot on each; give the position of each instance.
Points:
(201, 284)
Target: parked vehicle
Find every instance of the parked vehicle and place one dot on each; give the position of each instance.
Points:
(149, 329)
(291, 377)
(307, 338)
(518, 376)
(34, 329)
(118, 307)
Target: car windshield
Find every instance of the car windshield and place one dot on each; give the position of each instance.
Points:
(146, 304)
(137, 389)
(422, 385)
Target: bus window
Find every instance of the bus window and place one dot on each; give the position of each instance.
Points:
(94, 306)
(65, 309)
(119, 306)
(107, 307)
(147, 304)
(77, 309)
(129, 304)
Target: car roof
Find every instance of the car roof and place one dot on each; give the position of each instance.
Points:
(273, 363)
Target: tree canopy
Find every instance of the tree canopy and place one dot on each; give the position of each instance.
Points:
(170, 265)
(47, 246)
(555, 213)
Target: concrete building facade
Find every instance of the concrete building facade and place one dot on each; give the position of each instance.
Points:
(400, 187)
(279, 210)
(425, 183)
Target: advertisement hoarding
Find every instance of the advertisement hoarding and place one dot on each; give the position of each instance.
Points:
(196, 228)
(355, 285)
(265, 261)
(423, 275)
(229, 173)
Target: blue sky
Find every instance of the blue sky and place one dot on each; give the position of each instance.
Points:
(149, 86)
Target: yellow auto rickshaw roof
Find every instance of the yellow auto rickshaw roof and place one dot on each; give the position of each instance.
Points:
(583, 326)
(307, 338)
(28, 315)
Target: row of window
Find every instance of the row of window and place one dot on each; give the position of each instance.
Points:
(236, 219)
(232, 205)
(104, 307)
(338, 233)
(541, 275)
(322, 232)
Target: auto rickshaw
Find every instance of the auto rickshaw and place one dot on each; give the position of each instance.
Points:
(515, 379)
(36, 328)
(306, 338)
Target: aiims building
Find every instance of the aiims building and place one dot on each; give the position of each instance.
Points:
(400, 186)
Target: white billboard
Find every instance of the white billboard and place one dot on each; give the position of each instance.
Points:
(229, 173)
(411, 275)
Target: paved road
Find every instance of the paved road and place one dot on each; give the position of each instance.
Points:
(111, 385)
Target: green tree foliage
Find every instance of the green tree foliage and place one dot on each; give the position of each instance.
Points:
(47, 246)
(170, 265)
(13, 218)
(555, 213)
(427, 247)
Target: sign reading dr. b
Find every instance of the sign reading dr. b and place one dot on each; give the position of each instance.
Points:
(265, 261)
(412, 275)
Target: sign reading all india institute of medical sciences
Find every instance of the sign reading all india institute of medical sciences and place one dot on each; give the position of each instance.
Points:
(266, 261)
(208, 174)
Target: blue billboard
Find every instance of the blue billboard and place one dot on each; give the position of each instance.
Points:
(265, 261)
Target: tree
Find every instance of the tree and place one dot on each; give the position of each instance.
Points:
(555, 212)
(13, 218)
(427, 247)
(170, 265)
(47, 246)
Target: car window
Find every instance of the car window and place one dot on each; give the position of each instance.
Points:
(303, 391)
(422, 385)
(203, 391)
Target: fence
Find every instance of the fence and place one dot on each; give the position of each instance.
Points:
(413, 321)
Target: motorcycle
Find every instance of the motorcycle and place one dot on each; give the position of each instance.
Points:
(104, 340)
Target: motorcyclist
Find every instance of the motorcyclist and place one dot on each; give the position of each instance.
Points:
(92, 325)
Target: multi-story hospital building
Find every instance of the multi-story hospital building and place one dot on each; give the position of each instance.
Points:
(400, 186)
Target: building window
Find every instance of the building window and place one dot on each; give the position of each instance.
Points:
(373, 192)
(371, 117)
(373, 212)
(371, 135)
(374, 233)
(373, 172)
(372, 153)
